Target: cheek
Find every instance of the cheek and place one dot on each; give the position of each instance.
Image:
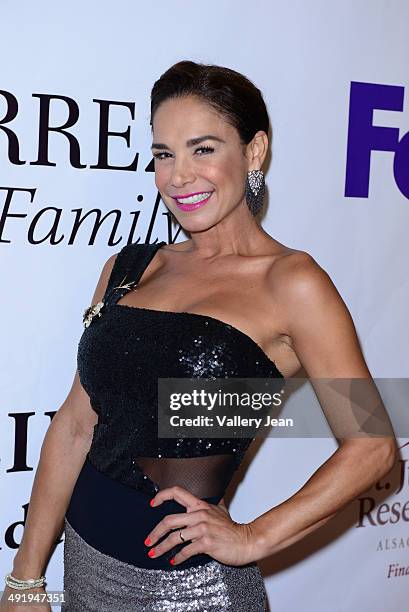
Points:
(161, 177)
(231, 180)
(224, 175)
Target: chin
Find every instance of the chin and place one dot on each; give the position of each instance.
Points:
(188, 223)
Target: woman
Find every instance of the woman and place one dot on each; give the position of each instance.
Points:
(145, 522)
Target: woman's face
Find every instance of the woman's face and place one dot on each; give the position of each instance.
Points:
(215, 166)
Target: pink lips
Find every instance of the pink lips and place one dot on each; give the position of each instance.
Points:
(187, 207)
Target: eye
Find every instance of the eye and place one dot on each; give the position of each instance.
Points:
(207, 149)
(204, 148)
(158, 155)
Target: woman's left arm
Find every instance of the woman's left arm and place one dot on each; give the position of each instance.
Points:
(325, 341)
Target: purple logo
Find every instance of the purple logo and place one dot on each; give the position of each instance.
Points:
(364, 137)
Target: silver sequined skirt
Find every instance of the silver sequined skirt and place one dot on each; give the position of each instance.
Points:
(96, 582)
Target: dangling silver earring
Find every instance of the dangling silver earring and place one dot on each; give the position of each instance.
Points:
(255, 189)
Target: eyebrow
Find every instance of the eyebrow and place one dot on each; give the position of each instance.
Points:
(190, 143)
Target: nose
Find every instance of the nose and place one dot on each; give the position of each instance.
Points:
(181, 173)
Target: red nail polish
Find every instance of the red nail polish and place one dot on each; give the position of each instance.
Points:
(151, 552)
(147, 542)
(172, 561)
(152, 502)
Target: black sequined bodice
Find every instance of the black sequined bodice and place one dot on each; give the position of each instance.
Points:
(121, 354)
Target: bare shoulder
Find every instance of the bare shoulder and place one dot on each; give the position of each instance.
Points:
(109, 264)
(104, 278)
(316, 319)
(297, 275)
(305, 293)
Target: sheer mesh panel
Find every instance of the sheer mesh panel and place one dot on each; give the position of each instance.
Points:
(202, 476)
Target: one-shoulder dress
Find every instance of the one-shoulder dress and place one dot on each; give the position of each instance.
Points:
(122, 353)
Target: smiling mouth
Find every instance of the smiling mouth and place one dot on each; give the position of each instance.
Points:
(194, 198)
(192, 203)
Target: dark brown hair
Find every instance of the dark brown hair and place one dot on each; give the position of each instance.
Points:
(229, 92)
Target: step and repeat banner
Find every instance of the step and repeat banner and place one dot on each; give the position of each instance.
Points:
(77, 184)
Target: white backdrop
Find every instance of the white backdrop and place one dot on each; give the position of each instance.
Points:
(304, 57)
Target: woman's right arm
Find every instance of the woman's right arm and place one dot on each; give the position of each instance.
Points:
(63, 451)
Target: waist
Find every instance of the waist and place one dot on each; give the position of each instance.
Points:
(115, 519)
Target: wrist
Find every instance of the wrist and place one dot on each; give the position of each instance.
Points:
(258, 541)
(25, 569)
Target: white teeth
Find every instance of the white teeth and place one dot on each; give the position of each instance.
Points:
(194, 199)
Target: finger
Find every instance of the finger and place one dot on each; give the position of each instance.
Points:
(181, 495)
(189, 534)
(175, 521)
(188, 551)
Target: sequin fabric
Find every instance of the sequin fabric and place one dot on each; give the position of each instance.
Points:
(95, 582)
(121, 354)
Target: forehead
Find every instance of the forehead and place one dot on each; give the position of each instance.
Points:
(188, 117)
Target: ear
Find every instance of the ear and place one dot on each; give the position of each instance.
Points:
(256, 150)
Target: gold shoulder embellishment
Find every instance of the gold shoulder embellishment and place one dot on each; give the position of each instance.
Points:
(123, 285)
(91, 312)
